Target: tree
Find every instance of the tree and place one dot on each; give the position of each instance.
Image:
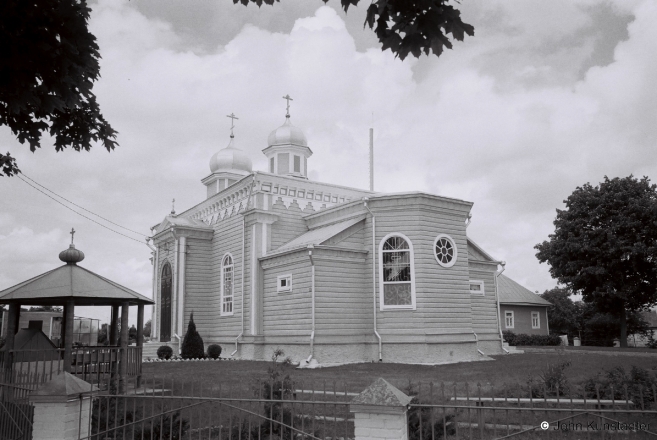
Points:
(48, 65)
(192, 346)
(605, 246)
(147, 328)
(408, 26)
(563, 312)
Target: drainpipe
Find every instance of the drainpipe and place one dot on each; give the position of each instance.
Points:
(468, 220)
(155, 267)
(312, 289)
(477, 343)
(365, 200)
(244, 244)
(497, 295)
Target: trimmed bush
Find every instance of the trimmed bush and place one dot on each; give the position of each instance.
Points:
(164, 352)
(535, 340)
(192, 346)
(214, 351)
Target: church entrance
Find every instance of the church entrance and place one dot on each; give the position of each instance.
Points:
(165, 304)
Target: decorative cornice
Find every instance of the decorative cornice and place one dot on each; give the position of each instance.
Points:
(255, 215)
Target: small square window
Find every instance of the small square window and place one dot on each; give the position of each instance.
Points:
(302, 194)
(284, 283)
(283, 191)
(536, 320)
(275, 191)
(334, 199)
(293, 192)
(266, 187)
(310, 195)
(477, 287)
(318, 197)
(327, 198)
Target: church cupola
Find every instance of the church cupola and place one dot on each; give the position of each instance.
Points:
(287, 151)
(227, 166)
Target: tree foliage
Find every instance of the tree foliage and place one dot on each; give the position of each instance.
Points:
(605, 246)
(563, 313)
(48, 65)
(192, 345)
(408, 26)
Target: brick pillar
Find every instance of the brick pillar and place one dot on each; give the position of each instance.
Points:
(380, 413)
(61, 408)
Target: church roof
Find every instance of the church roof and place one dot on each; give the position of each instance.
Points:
(71, 281)
(511, 292)
(319, 235)
(172, 220)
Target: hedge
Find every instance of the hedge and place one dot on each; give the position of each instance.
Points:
(523, 339)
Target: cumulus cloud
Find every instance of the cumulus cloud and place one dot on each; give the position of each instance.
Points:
(512, 119)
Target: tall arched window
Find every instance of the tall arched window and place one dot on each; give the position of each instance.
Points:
(165, 303)
(397, 273)
(227, 277)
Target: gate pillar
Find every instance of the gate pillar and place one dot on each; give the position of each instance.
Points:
(380, 412)
(61, 408)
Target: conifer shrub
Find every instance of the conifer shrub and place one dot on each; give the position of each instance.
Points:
(164, 352)
(192, 346)
(214, 351)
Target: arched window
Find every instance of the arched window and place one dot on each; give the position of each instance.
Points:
(397, 273)
(165, 303)
(227, 277)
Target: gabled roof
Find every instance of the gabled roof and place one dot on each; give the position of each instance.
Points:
(171, 220)
(319, 235)
(513, 293)
(32, 339)
(475, 252)
(71, 281)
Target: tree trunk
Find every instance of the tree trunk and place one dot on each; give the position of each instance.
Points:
(623, 327)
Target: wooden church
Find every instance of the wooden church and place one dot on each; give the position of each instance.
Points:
(329, 274)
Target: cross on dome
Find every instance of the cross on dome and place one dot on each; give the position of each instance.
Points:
(232, 123)
(173, 206)
(72, 234)
(288, 99)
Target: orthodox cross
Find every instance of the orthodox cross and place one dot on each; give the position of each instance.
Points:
(72, 234)
(232, 123)
(173, 206)
(287, 97)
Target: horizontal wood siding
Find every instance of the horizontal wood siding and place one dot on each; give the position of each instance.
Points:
(442, 294)
(289, 225)
(288, 313)
(343, 293)
(200, 293)
(484, 308)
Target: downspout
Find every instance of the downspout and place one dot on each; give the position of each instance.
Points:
(312, 290)
(477, 344)
(365, 200)
(243, 245)
(176, 275)
(497, 295)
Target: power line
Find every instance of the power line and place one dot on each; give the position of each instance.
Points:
(72, 203)
(82, 215)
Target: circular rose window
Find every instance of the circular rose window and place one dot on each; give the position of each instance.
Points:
(445, 250)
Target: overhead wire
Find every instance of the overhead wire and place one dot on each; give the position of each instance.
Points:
(80, 214)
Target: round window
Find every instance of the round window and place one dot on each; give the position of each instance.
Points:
(445, 250)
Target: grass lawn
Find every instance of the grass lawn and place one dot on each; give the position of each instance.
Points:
(505, 369)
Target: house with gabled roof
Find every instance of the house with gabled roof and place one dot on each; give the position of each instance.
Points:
(521, 310)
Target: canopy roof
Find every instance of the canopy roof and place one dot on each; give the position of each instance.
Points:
(71, 282)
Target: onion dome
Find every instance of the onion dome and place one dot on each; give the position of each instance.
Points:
(71, 255)
(230, 159)
(287, 134)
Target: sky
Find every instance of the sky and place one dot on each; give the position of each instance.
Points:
(546, 97)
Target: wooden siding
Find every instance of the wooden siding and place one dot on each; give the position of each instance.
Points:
(289, 225)
(484, 308)
(522, 316)
(343, 293)
(201, 294)
(443, 303)
(288, 313)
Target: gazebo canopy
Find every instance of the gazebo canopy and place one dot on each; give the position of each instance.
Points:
(71, 282)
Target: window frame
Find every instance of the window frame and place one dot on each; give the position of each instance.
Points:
(480, 292)
(223, 285)
(287, 288)
(382, 283)
(507, 314)
(456, 251)
(538, 319)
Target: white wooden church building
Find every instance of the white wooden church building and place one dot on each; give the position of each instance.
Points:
(328, 273)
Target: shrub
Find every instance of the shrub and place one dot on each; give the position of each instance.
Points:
(192, 346)
(638, 386)
(214, 351)
(531, 340)
(164, 352)
(551, 382)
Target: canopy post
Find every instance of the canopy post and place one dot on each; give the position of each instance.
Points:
(69, 313)
(123, 362)
(140, 337)
(114, 325)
